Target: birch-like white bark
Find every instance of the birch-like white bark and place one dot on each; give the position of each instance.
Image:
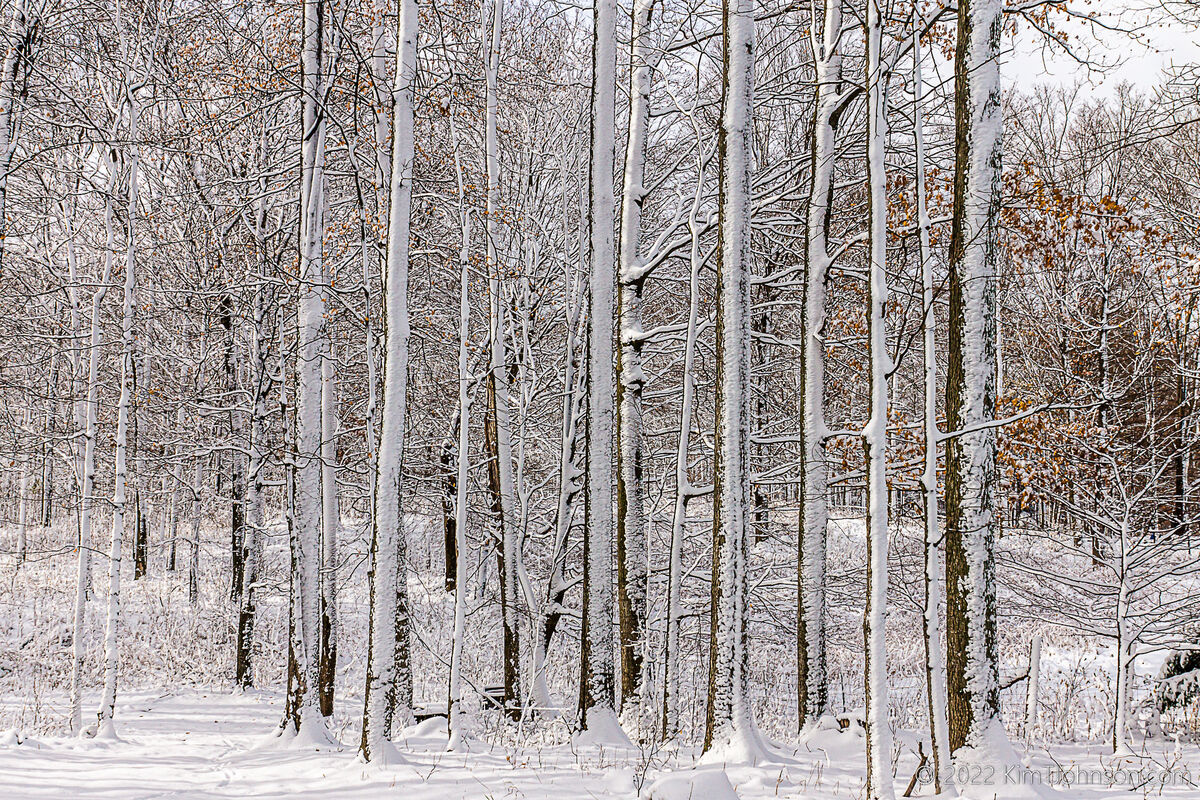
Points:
(302, 713)
(88, 471)
(389, 681)
(931, 620)
(569, 473)
(597, 700)
(731, 734)
(826, 32)
(683, 485)
(454, 704)
(108, 699)
(632, 563)
(1031, 690)
(498, 350)
(878, 731)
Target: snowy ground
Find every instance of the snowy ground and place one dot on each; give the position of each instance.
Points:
(185, 735)
(198, 744)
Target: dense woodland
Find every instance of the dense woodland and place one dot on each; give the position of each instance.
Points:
(688, 372)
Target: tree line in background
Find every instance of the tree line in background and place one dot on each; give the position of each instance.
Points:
(626, 299)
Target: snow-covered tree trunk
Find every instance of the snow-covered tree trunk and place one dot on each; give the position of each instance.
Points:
(237, 511)
(381, 110)
(389, 680)
(462, 476)
(683, 485)
(632, 564)
(730, 733)
(812, 686)
(76, 383)
(22, 500)
(569, 473)
(972, 672)
(19, 42)
(931, 620)
(500, 439)
(287, 503)
(108, 700)
(520, 332)
(1126, 649)
(256, 463)
(597, 710)
(330, 522)
(302, 703)
(878, 732)
(88, 466)
(193, 576)
(1031, 690)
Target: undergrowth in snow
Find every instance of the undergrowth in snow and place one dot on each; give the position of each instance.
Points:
(183, 732)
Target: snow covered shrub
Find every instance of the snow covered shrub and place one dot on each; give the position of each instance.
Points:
(1176, 694)
(1178, 681)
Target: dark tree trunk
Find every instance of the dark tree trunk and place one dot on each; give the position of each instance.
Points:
(141, 534)
(327, 667)
(511, 651)
(971, 522)
(449, 464)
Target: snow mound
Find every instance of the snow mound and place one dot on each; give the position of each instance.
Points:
(742, 747)
(603, 730)
(698, 785)
(314, 735)
(384, 755)
(993, 770)
(434, 727)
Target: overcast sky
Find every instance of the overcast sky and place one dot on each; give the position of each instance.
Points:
(1136, 59)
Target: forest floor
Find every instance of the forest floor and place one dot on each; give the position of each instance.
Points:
(184, 734)
(197, 744)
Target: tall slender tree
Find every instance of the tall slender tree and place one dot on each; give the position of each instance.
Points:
(971, 517)
(302, 709)
(730, 732)
(499, 424)
(597, 700)
(389, 678)
(108, 700)
(632, 565)
(878, 732)
(931, 620)
(826, 33)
